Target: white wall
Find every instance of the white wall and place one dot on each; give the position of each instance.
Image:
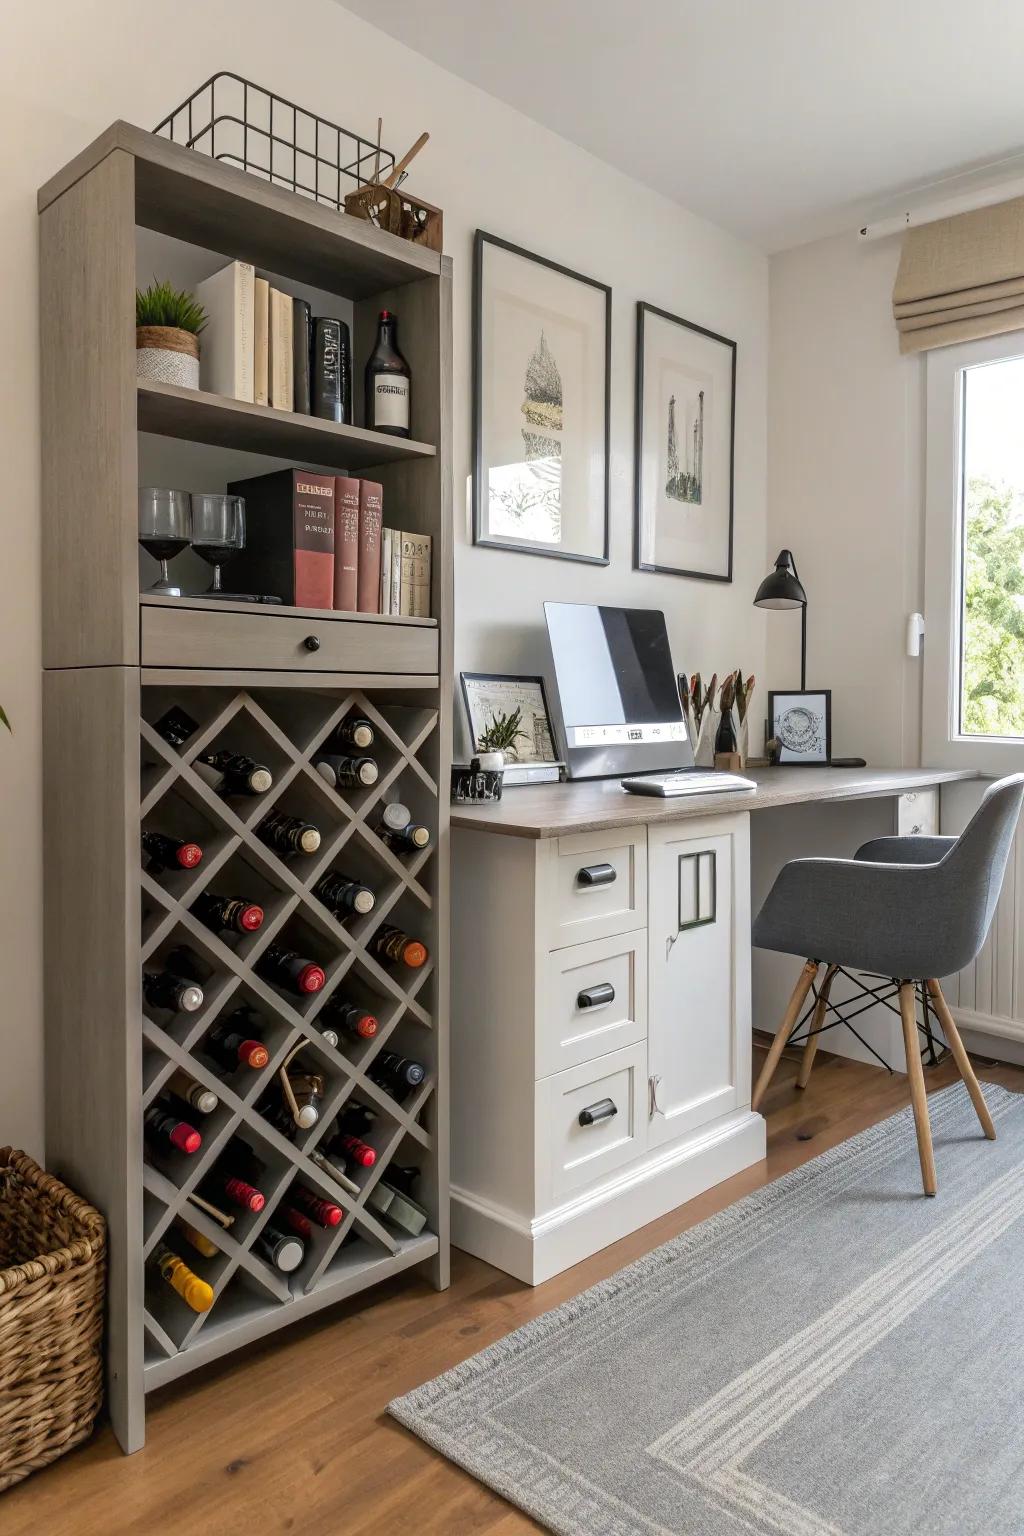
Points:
(67, 70)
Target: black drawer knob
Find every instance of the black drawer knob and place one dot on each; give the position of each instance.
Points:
(595, 874)
(311, 643)
(602, 1110)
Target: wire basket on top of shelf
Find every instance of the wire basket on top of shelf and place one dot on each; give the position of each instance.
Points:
(245, 125)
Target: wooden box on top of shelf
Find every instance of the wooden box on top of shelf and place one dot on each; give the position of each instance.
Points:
(111, 659)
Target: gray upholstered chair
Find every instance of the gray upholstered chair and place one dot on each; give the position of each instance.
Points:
(907, 908)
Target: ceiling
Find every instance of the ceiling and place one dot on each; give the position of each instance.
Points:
(782, 120)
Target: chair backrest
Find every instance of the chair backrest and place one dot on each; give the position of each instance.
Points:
(976, 864)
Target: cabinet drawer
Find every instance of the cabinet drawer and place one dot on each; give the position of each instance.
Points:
(593, 1000)
(195, 637)
(571, 1155)
(593, 885)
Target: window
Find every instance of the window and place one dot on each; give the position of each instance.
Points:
(974, 560)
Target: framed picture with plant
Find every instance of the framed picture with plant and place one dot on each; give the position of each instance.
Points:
(168, 321)
(509, 715)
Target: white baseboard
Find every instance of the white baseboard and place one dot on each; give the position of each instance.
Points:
(989, 1035)
(535, 1250)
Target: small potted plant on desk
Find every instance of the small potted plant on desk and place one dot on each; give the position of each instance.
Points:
(167, 325)
(498, 741)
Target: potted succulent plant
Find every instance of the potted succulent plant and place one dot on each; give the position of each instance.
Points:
(167, 325)
(498, 740)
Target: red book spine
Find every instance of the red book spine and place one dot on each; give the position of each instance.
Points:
(313, 525)
(346, 544)
(371, 512)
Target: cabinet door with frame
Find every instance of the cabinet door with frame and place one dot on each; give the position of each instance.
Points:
(699, 1017)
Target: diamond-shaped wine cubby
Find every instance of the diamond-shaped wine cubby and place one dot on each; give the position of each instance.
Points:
(289, 1052)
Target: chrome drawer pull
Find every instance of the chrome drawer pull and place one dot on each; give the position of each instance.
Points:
(596, 874)
(602, 1110)
(597, 996)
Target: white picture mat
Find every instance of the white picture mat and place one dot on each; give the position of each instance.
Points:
(811, 725)
(680, 362)
(520, 301)
(501, 695)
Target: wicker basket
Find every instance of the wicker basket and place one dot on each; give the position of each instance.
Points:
(52, 1264)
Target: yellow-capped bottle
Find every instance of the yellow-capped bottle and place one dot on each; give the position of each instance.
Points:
(195, 1293)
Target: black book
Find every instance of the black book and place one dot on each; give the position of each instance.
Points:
(331, 370)
(302, 341)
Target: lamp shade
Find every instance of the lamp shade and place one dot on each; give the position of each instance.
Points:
(782, 588)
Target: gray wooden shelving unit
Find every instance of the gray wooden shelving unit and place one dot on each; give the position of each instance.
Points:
(114, 662)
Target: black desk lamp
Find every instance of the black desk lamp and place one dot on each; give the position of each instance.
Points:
(783, 589)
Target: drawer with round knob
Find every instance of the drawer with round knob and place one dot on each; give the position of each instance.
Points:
(244, 637)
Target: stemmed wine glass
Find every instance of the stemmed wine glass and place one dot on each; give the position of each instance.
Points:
(164, 530)
(218, 532)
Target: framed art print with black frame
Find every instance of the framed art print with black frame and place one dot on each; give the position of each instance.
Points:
(541, 388)
(685, 432)
(491, 696)
(800, 720)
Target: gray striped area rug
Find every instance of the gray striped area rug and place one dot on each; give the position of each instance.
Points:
(832, 1356)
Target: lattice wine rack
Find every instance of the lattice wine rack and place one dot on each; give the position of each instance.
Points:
(282, 730)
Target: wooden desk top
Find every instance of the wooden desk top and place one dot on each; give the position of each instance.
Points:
(551, 810)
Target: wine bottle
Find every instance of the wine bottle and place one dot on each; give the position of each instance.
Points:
(233, 773)
(308, 1089)
(281, 1249)
(344, 896)
(288, 834)
(192, 1093)
(230, 1045)
(388, 381)
(195, 1293)
(355, 732)
(199, 1240)
(392, 944)
(324, 1212)
(331, 370)
(328, 1036)
(352, 1020)
(163, 853)
(290, 971)
(176, 726)
(164, 989)
(398, 1074)
(227, 914)
(343, 772)
(397, 829)
(165, 1131)
(356, 1149)
(239, 1192)
(356, 1118)
(403, 1178)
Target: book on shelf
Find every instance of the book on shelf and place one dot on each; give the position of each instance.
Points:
(289, 552)
(346, 544)
(371, 509)
(227, 345)
(281, 365)
(261, 342)
(302, 340)
(384, 597)
(414, 586)
(395, 596)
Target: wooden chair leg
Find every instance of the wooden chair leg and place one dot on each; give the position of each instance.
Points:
(817, 1020)
(918, 1096)
(960, 1056)
(796, 1002)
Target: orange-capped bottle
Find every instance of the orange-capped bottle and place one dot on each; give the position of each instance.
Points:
(392, 944)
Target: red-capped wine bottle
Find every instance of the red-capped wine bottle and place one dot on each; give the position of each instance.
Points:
(324, 1212)
(233, 773)
(281, 1249)
(344, 896)
(356, 1150)
(398, 1074)
(166, 853)
(227, 914)
(343, 772)
(238, 1192)
(165, 989)
(392, 944)
(388, 381)
(165, 1130)
(355, 732)
(397, 829)
(352, 1020)
(231, 1046)
(291, 972)
(288, 834)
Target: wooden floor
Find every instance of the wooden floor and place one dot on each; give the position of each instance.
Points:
(294, 1437)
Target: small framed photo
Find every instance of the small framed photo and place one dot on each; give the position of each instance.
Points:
(801, 722)
(685, 407)
(510, 715)
(541, 412)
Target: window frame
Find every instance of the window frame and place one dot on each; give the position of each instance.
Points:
(942, 744)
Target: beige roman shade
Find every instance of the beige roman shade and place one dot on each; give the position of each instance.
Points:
(961, 278)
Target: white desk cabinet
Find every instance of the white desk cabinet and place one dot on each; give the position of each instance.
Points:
(601, 1033)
